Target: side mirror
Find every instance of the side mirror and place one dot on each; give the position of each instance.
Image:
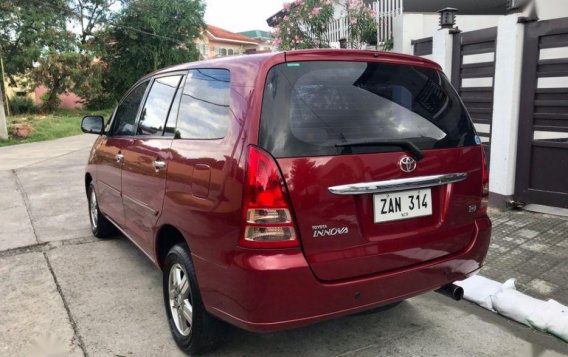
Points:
(93, 124)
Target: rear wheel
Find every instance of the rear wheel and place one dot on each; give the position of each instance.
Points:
(194, 330)
(100, 225)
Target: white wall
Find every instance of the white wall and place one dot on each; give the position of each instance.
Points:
(442, 50)
(507, 95)
(338, 7)
(551, 9)
(407, 27)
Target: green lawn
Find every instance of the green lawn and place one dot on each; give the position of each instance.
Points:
(59, 124)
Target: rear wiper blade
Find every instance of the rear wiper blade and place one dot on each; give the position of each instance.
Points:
(405, 144)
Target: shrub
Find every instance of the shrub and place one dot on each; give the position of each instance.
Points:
(47, 107)
(305, 24)
(100, 102)
(22, 105)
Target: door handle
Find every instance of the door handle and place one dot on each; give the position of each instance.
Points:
(119, 157)
(158, 164)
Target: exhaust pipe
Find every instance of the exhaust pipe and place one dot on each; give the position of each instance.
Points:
(452, 291)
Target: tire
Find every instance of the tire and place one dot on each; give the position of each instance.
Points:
(204, 332)
(100, 225)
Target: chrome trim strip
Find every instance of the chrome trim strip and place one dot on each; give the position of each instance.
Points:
(411, 183)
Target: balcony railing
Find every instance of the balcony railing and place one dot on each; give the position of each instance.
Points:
(386, 10)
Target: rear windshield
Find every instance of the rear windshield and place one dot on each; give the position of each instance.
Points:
(309, 107)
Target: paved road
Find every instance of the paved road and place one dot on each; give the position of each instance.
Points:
(64, 291)
(532, 248)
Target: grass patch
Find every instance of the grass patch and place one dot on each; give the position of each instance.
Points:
(57, 125)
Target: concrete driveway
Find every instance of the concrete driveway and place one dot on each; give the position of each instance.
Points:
(65, 292)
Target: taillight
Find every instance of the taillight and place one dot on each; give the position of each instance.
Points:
(484, 183)
(267, 217)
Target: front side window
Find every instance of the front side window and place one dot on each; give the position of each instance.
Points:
(311, 108)
(125, 117)
(204, 110)
(155, 112)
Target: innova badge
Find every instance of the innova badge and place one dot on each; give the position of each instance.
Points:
(407, 164)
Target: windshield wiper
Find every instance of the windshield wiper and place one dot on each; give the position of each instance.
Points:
(405, 144)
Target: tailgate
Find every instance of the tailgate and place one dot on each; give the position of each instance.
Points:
(339, 235)
(364, 124)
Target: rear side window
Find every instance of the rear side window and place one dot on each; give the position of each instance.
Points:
(204, 110)
(125, 117)
(155, 112)
(309, 107)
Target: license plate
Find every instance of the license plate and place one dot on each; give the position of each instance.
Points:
(402, 205)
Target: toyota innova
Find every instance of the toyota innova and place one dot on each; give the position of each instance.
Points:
(278, 190)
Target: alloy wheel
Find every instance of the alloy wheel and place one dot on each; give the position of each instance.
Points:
(94, 209)
(179, 292)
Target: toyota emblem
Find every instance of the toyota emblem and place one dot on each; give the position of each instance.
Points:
(407, 164)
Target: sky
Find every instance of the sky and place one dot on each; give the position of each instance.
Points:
(241, 15)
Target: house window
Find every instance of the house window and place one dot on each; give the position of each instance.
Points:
(223, 52)
(231, 52)
(203, 49)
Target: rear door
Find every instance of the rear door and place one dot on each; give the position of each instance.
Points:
(145, 162)
(110, 154)
(349, 138)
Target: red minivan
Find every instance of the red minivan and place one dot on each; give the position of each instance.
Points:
(282, 189)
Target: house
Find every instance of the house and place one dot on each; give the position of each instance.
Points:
(399, 21)
(217, 42)
(264, 39)
(68, 100)
(17, 90)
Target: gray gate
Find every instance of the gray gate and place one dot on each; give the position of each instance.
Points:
(542, 165)
(473, 73)
(423, 46)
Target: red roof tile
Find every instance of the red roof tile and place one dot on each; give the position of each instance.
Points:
(223, 34)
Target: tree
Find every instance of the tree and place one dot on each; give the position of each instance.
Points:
(305, 24)
(37, 32)
(362, 23)
(67, 71)
(150, 34)
(91, 15)
(26, 28)
(92, 18)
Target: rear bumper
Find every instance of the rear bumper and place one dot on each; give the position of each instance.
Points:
(266, 292)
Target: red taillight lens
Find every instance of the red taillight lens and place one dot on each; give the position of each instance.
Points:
(484, 183)
(266, 210)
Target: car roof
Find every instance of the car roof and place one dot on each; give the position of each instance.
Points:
(256, 61)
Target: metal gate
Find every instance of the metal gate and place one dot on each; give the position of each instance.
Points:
(423, 46)
(473, 73)
(542, 164)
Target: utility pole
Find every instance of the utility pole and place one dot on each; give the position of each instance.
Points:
(3, 125)
(4, 83)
